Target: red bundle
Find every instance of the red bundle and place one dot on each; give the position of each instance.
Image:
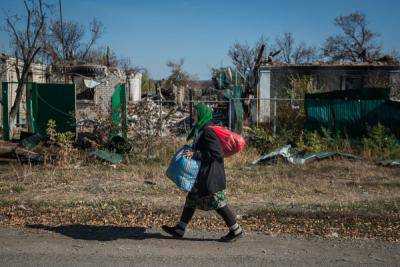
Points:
(231, 142)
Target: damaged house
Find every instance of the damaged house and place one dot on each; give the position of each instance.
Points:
(95, 86)
(277, 80)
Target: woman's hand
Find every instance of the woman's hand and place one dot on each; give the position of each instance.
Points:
(188, 154)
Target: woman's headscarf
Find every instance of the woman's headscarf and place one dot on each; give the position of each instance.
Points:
(204, 115)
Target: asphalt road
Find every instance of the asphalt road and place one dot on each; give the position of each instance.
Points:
(105, 246)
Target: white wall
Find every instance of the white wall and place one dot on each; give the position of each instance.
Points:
(135, 87)
(264, 110)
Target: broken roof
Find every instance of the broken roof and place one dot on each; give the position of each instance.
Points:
(333, 65)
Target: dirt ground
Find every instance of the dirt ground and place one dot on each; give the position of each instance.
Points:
(332, 198)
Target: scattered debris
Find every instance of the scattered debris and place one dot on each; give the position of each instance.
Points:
(111, 157)
(10, 151)
(273, 156)
(390, 163)
(32, 141)
(147, 182)
(300, 158)
(7, 148)
(27, 156)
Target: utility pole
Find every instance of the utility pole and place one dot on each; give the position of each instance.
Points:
(64, 56)
(62, 29)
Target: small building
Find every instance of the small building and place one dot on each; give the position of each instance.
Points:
(8, 73)
(286, 80)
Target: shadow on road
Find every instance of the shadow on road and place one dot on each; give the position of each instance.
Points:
(106, 232)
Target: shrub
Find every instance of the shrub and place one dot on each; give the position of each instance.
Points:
(260, 139)
(380, 143)
(314, 142)
(337, 141)
(61, 146)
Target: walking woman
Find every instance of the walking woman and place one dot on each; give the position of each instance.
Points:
(208, 191)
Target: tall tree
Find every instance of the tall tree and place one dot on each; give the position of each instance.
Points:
(356, 43)
(26, 35)
(244, 56)
(65, 41)
(292, 52)
(247, 61)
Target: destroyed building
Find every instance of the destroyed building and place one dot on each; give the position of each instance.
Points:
(94, 87)
(277, 79)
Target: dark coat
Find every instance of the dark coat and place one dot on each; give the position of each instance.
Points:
(211, 178)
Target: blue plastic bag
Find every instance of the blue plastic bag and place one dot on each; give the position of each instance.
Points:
(182, 170)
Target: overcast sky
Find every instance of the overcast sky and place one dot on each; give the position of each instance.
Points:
(152, 32)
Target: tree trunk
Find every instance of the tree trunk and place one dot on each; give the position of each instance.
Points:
(18, 98)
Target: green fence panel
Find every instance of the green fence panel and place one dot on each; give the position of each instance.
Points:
(319, 112)
(52, 102)
(118, 107)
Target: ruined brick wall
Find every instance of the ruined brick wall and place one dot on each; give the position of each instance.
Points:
(100, 107)
(105, 90)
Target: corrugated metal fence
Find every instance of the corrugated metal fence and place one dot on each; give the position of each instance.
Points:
(352, 111)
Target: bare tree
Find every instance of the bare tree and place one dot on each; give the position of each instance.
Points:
(286, 44)
(395, 54)
(244, 56)
(292, 53)
(304, 54)
(393, 58)
(96, 30)
(247, 61)
(176, 84)
(65, 43)
(126, 64)
(64, 40)
(26, 42)
(357, 43)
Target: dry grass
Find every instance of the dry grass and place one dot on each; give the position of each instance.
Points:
(311, 199)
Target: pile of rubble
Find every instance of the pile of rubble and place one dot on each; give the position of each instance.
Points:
(147, 123)
(151, 117)
(10, 151)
